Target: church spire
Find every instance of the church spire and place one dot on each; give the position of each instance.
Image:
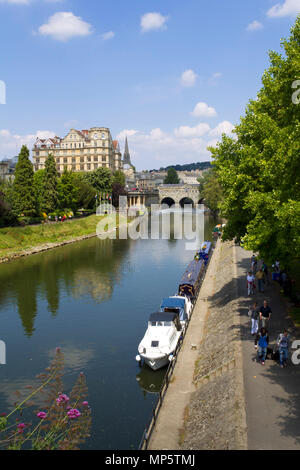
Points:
(126, 156)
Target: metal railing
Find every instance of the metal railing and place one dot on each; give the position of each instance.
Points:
(165, 385)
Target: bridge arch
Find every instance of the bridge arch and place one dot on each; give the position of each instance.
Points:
(186, 201)
(168, 201)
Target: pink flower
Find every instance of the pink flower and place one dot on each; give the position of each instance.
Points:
(63, 398)
(58, 350)
(21, 427)
(42, 415)
(73, 414)
(85, 403)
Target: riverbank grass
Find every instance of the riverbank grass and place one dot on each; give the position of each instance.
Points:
(14, 240)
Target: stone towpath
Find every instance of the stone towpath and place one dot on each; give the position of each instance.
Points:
(219, 396)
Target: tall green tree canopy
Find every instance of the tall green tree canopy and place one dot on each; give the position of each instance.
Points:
(172, 177)
(23, 193)
(67, 191)
(211, 190)
(50, 194)
(100, 179)
(260, 170)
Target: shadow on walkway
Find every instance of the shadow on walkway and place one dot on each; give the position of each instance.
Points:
(275, 388)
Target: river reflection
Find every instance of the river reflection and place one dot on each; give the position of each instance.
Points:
(92, 299)
(86, 269)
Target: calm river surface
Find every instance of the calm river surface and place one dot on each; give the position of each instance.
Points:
(92, 299)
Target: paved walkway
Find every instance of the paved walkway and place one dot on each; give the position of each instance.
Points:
(272, 394)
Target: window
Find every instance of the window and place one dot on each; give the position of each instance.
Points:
(81, 167)
(103, 135)
(154, 344)
(81, 159)
(96, 159)
(88, 166)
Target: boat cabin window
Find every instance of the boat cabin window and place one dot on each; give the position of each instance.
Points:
(154, 344)
(171, 310)
(160, 323)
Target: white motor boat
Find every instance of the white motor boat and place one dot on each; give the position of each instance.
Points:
(160, 340)
(180, 304)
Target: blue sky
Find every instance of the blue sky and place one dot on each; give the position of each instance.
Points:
(171, 75)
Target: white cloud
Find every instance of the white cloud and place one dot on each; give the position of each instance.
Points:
(10, 144)
(203, 110)
(63, 26)
(184, 144)
(255, 26)
(196, 131)
(108, 35)
(188, 78)
(224, 127)
(153, 21)
(287, 8)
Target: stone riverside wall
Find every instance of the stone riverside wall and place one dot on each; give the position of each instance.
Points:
(216, 418)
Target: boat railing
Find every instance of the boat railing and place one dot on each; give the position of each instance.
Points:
(167, 379)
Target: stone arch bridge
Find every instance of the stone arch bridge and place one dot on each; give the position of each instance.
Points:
(168, 195)
(179, 195)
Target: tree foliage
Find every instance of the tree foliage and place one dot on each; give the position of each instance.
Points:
(23, 194)
(211, 190)
(260, 170)
(50, 194)
(172, 177)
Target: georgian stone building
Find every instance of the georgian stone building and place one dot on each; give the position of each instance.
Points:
(84, 150)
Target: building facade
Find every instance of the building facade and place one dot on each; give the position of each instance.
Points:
(84, 150)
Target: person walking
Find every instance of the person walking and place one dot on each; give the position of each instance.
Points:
(266, 272)
(254, 315)
(283, 343)
(261, 343)
(261, 280)
(265, 314)
(254, 264)
(250, 283)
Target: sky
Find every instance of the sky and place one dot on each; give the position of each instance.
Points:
(170, 75)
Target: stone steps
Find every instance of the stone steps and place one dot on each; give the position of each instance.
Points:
(219, 371)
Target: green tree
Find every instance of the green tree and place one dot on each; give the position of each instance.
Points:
(23, 195)
(260, 170)
(211, 190)
(172, 177)
(38, 187)
(67, 191)
(119, 177)
(50, 194)
(100, 179)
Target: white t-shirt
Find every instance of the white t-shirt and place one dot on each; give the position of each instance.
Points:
(250, 278)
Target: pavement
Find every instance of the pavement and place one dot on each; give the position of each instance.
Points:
(272, 394)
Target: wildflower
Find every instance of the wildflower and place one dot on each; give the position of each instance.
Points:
(58, 349)
(42, 415)
(21, 427)
(85, 403)
(3, 414)
(73, 414)
(63, 398)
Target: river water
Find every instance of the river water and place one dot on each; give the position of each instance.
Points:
(93, 299)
